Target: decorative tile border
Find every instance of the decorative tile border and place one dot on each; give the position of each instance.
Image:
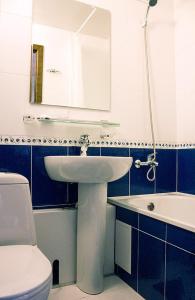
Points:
(186, 146)
(54, 141)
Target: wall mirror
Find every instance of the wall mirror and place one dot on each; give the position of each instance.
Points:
(70, 64)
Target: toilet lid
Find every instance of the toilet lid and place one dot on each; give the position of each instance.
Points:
(22, 268)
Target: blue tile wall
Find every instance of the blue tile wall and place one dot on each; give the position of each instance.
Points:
(165, 259)
(16, 159)
(119, 187)
(46, 192)
(28, 161)
(92, 151)
(138, 183)
(166, 171)
(186, 171)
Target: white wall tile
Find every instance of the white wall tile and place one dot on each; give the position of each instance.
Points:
(14, 93)
(18, 7)
(185, 69)
(15, 41)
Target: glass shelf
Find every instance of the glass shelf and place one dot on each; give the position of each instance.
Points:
(102, 123)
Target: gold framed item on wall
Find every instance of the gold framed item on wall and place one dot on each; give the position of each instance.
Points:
(36, 83)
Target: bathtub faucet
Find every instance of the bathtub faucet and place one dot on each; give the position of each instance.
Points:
(151, 163)
(84, 142)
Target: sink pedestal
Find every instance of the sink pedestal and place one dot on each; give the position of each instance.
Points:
(92, 173)
(91, 227)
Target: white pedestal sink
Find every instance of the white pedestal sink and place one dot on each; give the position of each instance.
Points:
(92, 173)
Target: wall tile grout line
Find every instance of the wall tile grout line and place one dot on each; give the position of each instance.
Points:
(189, 252)
(166, 233)
(165, 270)
(155, 237)
(177, 170)
(137, 283)
(130, 174)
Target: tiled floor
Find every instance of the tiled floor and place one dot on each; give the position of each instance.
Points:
(114, 289)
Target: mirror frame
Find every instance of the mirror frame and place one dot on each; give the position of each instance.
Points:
(36, 80)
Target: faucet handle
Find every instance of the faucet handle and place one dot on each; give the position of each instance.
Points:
(84, 139)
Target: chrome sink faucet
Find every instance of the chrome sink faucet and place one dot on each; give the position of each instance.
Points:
(84, 142)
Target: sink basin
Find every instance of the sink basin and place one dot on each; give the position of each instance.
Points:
(89, 169)
(92, 174)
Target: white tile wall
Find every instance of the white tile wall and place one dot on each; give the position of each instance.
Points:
(129, 104)
(185, 66)
(14, 41)
(14, 91)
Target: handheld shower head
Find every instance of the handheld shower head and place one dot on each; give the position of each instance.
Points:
(152, 2)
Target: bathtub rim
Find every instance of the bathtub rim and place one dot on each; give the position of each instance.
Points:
(120, 201)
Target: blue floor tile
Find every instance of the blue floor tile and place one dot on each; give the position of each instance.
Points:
(16, 159)
(166, 171)
(119, 187)
(46, 192)
(139, 184)
(180, 274)
(151, 267)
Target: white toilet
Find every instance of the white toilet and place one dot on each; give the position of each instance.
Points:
(25, 273)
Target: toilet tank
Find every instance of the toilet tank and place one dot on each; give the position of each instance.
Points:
(16, 217)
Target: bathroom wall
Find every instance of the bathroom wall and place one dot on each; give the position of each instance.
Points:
(29, 161)
(185, 66)
(128, 77)
(185, 91)
(129, 106)
(186, 170)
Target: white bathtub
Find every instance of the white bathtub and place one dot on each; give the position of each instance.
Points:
(173, 208)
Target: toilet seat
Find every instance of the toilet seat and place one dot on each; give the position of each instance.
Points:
(24, 270)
